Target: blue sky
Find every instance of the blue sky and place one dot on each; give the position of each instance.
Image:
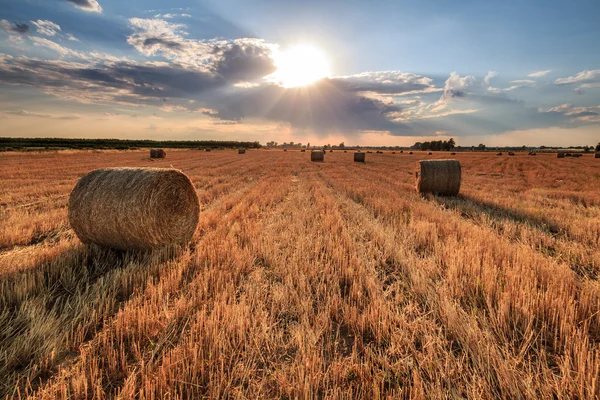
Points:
(500, 73)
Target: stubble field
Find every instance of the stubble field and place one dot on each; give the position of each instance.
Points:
(309, 280)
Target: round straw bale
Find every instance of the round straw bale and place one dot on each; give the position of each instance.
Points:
(452, 154)
(359, 157)
(241, 151)
(317, 155)
(134, 208)
(207, 150)
(410, 152)
(430, 153)
(597, 155)
(438, 176)
(560, 155)
(157, 153)
(499, 154)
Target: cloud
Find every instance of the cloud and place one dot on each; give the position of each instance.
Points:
(539, 74)
(455, 85)
(385, 82)
(590, 114)
(582, 77)
(48, 44)
(71, 37)
(243, 59)
(87, 5)
(170, 16)
(25, 113)
(14, 27)
(489, 76)
(47, 28)
(524, 81)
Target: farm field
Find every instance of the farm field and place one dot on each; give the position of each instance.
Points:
(309, 280)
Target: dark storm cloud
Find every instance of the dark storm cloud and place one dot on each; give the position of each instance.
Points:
(243, 61)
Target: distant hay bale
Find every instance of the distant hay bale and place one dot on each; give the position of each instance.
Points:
(401, 151)
(370, 152)
(157, 153)
(284, 149)
(345, 151)
(207, 150)
(241, 151)
(452, 154)
(410, 152)
(317, 155)
(499, 154)
(511, 153)
(568, 154)
(359, 157)
(393, 152)
(438, 176)
(532, 153)
(303, 150)
(134, 208)
(331, 151)
(576, 155)
(597, 155)
(561, 155)
(430, 153)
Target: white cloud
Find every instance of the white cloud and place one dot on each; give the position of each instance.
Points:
(539, 74)
(48, 44)
(47, 28)
(583, 76)
(489, 76)
(524, 81)
(71, 37)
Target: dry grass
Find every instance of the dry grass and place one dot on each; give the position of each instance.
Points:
(309, 280)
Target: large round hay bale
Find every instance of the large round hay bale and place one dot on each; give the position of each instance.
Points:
(134, 208)
(317, 155)
(438, 176)
(560, 155)
(157, 153)
(597, 155)
(359, 157)
(241, 151)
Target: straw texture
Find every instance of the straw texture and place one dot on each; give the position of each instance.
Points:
(157, 153)
(134, 208)
(317, 155)
(438, 176)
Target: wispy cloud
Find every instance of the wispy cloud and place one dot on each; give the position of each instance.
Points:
(25, 113)
(47, 28)
(582, 77)
(539, 74)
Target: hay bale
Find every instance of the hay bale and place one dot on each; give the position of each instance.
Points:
(303, 151)
(284, 149)
(241, 151)
(568, 154)
(410, 152)
(576, 155)
(499, 154)
(359, 157)
(401, 151)
(511, 153)
(207, 150)
(157, 153)
(331, 151)
(369, 152)
(452, 154)
(345, 151)
(430, 153)
(393, 152)
(560, 155)
(438, 176)
(532, 153)
(134, 208)
(597, 155)
(317, 155)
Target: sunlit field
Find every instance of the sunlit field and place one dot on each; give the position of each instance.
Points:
(309, 280)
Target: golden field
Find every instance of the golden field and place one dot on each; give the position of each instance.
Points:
(309, 280)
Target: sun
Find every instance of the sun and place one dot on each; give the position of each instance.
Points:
(299, 66)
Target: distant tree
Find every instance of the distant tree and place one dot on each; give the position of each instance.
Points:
(586, 149)
(598, 147)
(342, 145)
(451, 143)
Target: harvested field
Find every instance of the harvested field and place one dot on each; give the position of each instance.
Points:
(309, 280)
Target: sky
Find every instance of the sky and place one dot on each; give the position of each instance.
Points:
(361, 72)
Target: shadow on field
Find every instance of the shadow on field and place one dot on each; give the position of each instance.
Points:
(48, 311)
(473, 208)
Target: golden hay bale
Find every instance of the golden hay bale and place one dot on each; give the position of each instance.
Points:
(438, 176)
(207, 150)
(511, 153)
(157, 153)
(499, 154)
(241, 151)
(410, 152)
(597, 155)
(359, 157)
(560, 155)
(430, 153)
(134, 208)
(452, 154)
(317, 155)
(393, 152)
